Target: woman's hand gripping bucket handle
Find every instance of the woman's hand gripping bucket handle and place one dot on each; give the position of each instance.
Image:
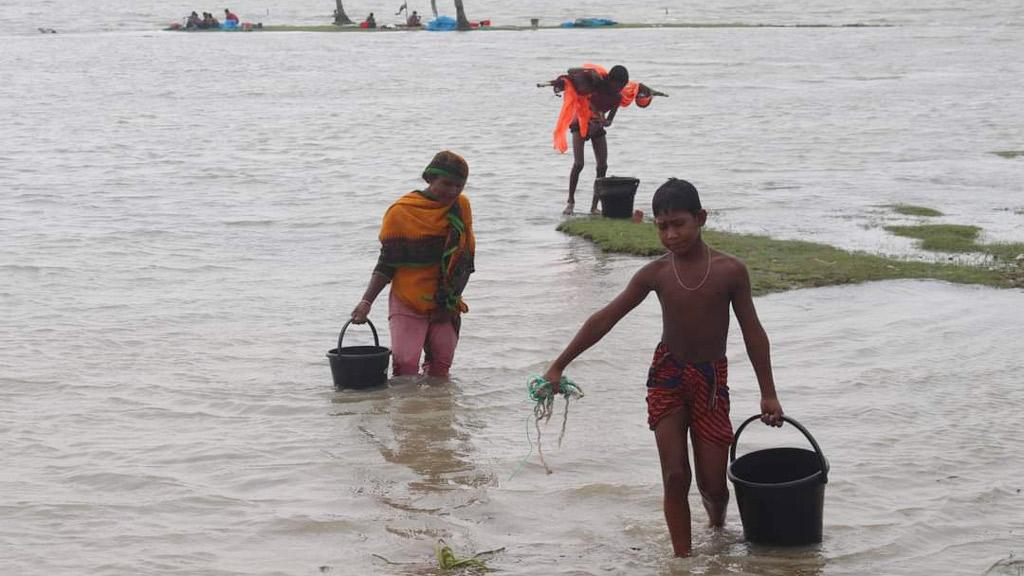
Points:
(814, 443)
(376, 341)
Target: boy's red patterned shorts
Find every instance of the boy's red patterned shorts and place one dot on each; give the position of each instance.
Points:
(700, 386)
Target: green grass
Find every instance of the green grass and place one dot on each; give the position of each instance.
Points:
(911, 210)
(954, 238)
(557, 26)
(1009, 153)
(778, 265)
(941, 237)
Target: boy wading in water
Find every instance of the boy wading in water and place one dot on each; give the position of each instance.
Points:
(686, 384)
(426, 254)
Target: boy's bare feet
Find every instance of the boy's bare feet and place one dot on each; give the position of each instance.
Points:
(568, 208)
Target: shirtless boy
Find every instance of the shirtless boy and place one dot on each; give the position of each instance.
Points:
(686, 385)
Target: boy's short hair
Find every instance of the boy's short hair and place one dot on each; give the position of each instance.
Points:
(618, 73)
(676, 195)
(448, 164)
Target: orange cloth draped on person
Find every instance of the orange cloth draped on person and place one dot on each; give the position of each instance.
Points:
(430, 245)
(576, 106)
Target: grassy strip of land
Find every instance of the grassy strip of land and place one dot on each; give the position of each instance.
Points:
(507, 28)
(911, 210)
(1009, 153)
(778, 265)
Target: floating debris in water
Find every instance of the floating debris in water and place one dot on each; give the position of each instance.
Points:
(447, 560)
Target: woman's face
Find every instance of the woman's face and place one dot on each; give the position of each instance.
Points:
(445, 189)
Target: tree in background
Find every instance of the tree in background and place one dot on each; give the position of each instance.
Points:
(460, 16)
(340, 18)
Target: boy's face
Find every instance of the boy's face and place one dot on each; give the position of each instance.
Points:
(679, 231)
(445, 189)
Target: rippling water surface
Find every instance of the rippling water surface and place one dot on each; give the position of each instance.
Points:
(186, 219)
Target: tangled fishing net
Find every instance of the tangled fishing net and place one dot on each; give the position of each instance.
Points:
(542, 394)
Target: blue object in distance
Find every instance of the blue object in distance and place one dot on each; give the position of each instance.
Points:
(442, 24)
(588, 23)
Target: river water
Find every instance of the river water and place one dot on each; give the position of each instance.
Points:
(186, 220)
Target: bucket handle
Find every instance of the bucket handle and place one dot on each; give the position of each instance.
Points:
(376, 341)
(814, 443)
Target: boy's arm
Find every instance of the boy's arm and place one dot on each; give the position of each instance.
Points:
(584, 80)
(611, 116)
(758, 347)
(600, 323)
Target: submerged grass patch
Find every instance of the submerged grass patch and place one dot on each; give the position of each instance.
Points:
(1009, 153)
(777, 265)
(954, 238)
(941, 237)
(911, 210)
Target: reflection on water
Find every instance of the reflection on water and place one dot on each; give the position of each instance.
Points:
(418, 424)
(427, 434)
(421, 429)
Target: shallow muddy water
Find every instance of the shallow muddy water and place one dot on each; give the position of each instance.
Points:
(187, 220)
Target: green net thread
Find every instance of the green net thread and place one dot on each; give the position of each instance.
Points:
(540, 393)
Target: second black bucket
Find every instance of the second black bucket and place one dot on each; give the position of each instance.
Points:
(616, 194)
(780, 491)
(359, 366)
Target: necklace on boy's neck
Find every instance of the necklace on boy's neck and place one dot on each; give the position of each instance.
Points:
(707, 272)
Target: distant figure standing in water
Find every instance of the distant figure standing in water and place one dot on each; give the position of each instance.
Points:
(230, 16)
(370, 21)
(592, 97)
(686, 384)
(427, 251)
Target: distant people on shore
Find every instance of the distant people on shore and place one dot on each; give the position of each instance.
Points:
(413, 21)
(206, 22)
(370, 22)
(209, 22)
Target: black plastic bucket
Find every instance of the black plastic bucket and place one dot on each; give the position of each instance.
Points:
(616, 194)
(780, 491)
(359, 366)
